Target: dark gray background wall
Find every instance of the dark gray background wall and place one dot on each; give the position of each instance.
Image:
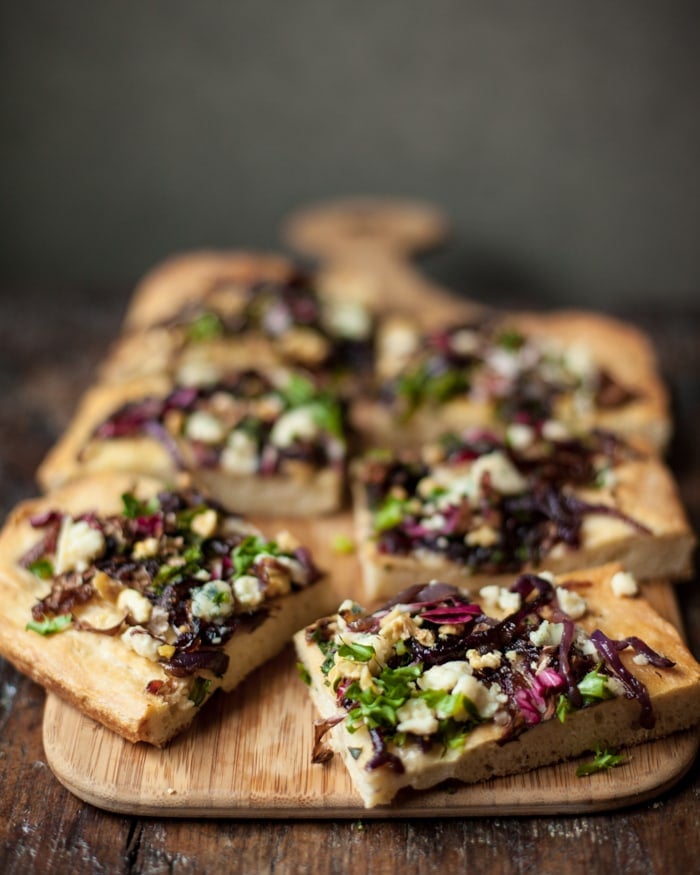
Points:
(563, 138)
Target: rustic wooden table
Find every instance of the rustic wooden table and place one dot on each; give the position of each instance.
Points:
(50, 342)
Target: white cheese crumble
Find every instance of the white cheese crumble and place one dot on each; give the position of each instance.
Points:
(204, 427)
(347, 317)
(444, 677)
(78, 544)
(298, 424)
(553, 430)
(213, 601)
(138, 639)
(204, 523)
(247, 590)
(571, 603)
(501, 597)
(547, 634)
(136, 605)
(240, 455)
(520, 436)
(505, 477)
(624, 584)
(416, 716)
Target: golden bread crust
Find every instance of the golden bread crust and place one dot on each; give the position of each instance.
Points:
(674, 695)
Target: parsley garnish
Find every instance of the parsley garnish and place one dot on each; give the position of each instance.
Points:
(303, 673)
(390, 514)
(343, 545)
(378, 704)
(134, 507)
(204, 327)
(594, 687)
(356, 652)
(603, 759)
(42, 568)
(199, 690)
(49, 626)
(244, 554)
(510, 340)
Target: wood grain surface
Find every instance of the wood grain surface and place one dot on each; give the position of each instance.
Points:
(50, 342)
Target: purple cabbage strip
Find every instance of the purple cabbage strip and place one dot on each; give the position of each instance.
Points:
(635, 689)
(642, 647)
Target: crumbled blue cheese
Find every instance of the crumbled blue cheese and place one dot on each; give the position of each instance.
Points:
(571, 602)
(624, 584)
(213, 601)
(140, 641)
(78, 544)
(547, 634)
(465, 341)
(416, 716)
(135, 605)
(297, 424)
(204, 427)
(247, 591)
(486, 699)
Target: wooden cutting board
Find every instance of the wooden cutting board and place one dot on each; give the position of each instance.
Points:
(248, 754)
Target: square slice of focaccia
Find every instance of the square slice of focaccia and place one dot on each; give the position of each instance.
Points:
(581, 369)
(262, 443)
(136, 603)
(474, 509)
(209, 313)
(433, 687)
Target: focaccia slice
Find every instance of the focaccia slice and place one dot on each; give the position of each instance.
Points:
(135, 603)
(473, 509)
(583, 369)
(215, 313)
(263, 443)
(433, 687)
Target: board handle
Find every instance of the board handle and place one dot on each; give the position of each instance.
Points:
(331, 229)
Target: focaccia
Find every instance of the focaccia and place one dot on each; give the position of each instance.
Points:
(585, 370)
(263, 443)
(215, 313)
(433, 686)
(135, 603)
(471, 509)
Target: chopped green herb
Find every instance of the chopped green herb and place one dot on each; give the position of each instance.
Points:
(205, 327)
(299, 390)
(343, 545)
(50, 625)
(510, 340)
(390, 514)
(199, 690)
(134, 507)
(603, 759)
(303, 673)
(42, 568)
(326, 413)
(355, 752)
(377, 705)
(594, 687)
(244, 554)
(356, 652)
(564, 708)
